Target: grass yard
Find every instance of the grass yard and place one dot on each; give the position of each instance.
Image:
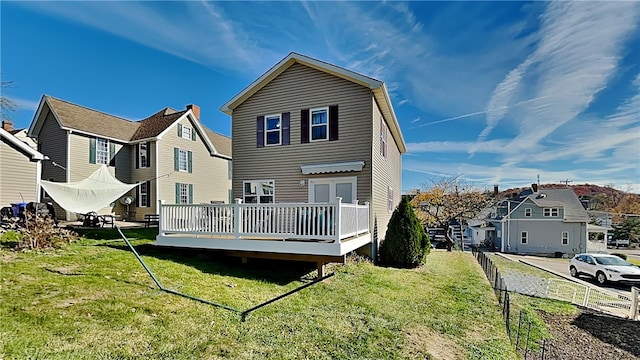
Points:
(92, 300)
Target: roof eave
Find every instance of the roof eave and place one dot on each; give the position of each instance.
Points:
(284, 64)
(384, 102)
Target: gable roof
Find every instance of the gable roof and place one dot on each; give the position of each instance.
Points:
(548, 198)
(84, 120)
(565, 198)
(91, 122)
(21, 145)
(377, 87)
(157, 123)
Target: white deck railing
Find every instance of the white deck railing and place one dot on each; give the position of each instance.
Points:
(334, 221)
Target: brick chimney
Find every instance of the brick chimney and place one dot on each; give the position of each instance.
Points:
(195, 109)
(7, 125)
(495, 190)
(534, 187)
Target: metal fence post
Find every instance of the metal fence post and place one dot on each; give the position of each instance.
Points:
(635, 293)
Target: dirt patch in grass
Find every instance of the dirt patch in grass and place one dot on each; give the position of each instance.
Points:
(422, 342)
(589, 335)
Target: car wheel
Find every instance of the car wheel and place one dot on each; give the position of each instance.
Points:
(573, 271)
(601, 278)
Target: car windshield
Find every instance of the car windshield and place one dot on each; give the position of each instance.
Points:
(611, 260)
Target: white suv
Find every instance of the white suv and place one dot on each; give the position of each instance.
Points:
(604, 268)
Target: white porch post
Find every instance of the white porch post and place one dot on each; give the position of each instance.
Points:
(357, 218)
(237, 218)
(338, 219)
(160, 218)
(369, 225)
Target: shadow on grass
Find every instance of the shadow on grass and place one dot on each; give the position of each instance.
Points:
(280, 272)
(621, 333)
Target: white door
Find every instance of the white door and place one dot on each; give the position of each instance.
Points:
(326, 190)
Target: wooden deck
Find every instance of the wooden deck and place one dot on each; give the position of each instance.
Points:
(311, 231)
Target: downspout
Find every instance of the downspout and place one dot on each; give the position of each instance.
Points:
(38, 178)
(68, 168)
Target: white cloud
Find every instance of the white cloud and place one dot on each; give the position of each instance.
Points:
(196, 31)
(566, 70)
(24, 104)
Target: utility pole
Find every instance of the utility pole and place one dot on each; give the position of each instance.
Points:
(566, 182)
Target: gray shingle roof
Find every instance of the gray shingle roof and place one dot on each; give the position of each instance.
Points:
(220, 142)
(566, 198)
(91, 121)
(94, 122)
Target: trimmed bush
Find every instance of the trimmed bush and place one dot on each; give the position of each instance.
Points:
(622, 256)
(405, 244)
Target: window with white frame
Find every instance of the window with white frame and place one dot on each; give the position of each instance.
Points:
(550, 212)
(184, 194)
(183, 160)
(186, 132)
(272, 129)
(383, 139)
(390, 204)
(143, 194)
(142, 155)
(102, 151)
(258, 191)
(565, 238)
(527, 212)
(319, 124)
(524, 237)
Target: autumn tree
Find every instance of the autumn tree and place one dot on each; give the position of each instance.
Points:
(443, 200)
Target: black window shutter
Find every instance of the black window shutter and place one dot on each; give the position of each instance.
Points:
(148, 154)
(286, 117)
(304, 126)
(112, 154)
(260, 132)
(138, 198)
(92, 150)
(333, 122)
(137, 156)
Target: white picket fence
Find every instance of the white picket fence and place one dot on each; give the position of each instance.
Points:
(595, 298)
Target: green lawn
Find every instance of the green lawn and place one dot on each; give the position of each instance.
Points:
(92, 300)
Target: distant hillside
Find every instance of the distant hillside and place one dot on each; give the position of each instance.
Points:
(602, 198)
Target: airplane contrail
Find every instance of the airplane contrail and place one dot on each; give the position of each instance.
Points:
(481, 112)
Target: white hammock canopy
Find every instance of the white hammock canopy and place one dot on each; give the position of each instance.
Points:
(91, 194)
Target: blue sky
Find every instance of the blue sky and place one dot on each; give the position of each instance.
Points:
(495, 92)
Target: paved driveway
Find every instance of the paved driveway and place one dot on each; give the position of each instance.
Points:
(560, 267)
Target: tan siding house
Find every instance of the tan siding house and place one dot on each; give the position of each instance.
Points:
(20, 168)
(167, 152)
(309, 131)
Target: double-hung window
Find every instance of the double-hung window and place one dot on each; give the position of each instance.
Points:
(184, 193)
(182, 160)
(383, 139)
(272, 129)
(186, 132)
(550, 212)
(524, 237)
(102, 151)
(390, 199)
(143, 154)
(527, 212)
(144, 196)
(319, 124)
(565, 238)
(258, 191)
